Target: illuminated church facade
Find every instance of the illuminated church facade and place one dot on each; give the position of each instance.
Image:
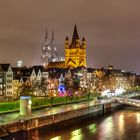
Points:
(75, 53)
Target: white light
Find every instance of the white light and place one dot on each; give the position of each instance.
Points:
(119, 91)
(19, 63)
(29, 102)
(105, 92)
(56, 138)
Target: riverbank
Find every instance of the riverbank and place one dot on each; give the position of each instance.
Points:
(120, 123)
(53, 116)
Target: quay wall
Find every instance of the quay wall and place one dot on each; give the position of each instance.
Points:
(44, 120)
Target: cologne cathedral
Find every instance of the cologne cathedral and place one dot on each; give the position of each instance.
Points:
(49, 51)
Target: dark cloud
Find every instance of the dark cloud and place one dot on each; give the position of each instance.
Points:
(111, 28)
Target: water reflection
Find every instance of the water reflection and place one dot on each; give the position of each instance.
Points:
(120, 125)
(35, 135)
(106, 128)
(56, 138)
(92, 128)
(138, 118)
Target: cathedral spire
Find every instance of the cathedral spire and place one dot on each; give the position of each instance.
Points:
(53, 39)
(46, 40)
(53, 46)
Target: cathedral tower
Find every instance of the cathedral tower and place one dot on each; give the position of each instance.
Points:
(49, 51)
(75, 53)
(53, 47)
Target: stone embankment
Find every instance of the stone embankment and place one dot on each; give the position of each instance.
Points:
(54, 116)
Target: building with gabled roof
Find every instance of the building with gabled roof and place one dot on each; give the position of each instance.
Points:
(6, 78)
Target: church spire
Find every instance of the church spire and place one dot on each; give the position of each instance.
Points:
(53, 46)
(46, 40)
(75, 38)
(53, 39)
(75, 34)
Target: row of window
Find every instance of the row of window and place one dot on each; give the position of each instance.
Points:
(9, 75)
(75, 53)
(9, 81)
(9, 86)
(9, 92)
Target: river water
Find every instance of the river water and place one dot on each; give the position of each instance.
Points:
(122, 124)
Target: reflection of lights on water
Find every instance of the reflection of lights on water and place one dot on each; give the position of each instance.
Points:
(79, 137)
(109, 119)
(108, 126)
(138, 117)
(76, 132)
(56, 138)
(76, 135)
(121, 123)
(92, 128)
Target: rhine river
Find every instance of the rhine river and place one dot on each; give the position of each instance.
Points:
(121, 124)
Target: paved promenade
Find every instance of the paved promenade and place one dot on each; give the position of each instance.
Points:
(14, 117)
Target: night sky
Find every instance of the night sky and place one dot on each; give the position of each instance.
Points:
(111, 29)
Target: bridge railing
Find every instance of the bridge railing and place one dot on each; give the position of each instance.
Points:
(127, 99)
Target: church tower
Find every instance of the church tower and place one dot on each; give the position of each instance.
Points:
(53, 47)
(75, 52)
(49, 51)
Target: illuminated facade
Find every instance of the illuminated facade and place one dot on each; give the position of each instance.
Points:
(75, 53)
(49, 51)
(6, 78)
(52, 87)
(112, 81)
